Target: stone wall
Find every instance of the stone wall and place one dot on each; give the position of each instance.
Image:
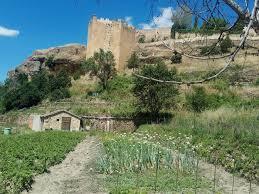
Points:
(115, 36)
(109, 124)
(156, 34)
(165, 33)
(20, 120)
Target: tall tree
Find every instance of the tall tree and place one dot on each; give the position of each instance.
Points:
(153, 96)
(101, 65)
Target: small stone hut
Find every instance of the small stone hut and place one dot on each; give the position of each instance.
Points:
(58, 120)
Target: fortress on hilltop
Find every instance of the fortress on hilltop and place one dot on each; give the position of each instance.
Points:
(121, 39)
(115, 36)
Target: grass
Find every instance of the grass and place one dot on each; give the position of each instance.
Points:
(24, 156)
(135, 165)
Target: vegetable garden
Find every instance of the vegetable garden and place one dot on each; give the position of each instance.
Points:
(24, 156)
(134, 165)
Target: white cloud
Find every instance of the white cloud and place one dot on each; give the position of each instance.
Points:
(128, 19)
(8, 32)
(162, 21)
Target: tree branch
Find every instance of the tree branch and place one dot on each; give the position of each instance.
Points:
(228, 63)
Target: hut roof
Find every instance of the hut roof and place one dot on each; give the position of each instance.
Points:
(59, 112)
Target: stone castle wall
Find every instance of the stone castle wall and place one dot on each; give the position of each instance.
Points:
(115, 36)
(165, 34)
(156, 34)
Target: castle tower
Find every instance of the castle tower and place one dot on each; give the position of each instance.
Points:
(114, 36)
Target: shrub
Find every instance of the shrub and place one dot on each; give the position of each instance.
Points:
(214, 49)
(50, 62)
(257, 82)
(198, 100)
(226, 44)
(176, 58)
(133, 61)
(142, 39)
(77, 75)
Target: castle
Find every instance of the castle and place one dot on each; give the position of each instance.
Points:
(115, 36)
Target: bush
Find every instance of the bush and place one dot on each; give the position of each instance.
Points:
(226, 44)
(133, 61)
(176, 58)
(50, 62)
(198, 100)
(257, 82)
(142, 39)
(214, 49)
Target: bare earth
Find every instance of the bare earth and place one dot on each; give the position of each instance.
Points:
(75, 175)
(224, 180)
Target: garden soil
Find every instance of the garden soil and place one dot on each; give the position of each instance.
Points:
(75, 175)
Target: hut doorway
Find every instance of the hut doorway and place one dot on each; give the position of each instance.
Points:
(66, 123)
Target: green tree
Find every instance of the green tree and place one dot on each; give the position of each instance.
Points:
(41, 81)
(101, 65)
(152, 96)
(214, 24)
(22, 97)
(134, 61)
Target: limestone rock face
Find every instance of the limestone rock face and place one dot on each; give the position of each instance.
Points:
(67, 56)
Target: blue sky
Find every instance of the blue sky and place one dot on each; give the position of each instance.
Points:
(27, 25)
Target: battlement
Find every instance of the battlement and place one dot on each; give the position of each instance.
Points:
(112, 23)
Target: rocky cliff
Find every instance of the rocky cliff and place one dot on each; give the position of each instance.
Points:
(67, 57)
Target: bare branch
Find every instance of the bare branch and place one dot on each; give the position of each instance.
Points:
(228, 63)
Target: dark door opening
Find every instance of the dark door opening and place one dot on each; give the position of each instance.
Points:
(66, 123)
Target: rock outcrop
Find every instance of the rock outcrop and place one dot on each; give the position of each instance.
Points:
(67, 56)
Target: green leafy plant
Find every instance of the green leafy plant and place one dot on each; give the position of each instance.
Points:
(24, 156)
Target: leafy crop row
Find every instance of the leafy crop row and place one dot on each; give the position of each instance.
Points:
(24, 156)
(132, 163)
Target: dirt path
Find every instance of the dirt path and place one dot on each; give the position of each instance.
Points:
(75, 174)
(224, 180)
